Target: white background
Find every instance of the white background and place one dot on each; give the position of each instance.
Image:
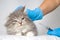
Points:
(7, 6)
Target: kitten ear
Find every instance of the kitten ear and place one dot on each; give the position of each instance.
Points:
(22, 9)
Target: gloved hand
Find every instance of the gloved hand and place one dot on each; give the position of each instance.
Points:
(55, 32)
(35, 14)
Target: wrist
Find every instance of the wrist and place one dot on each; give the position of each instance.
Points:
(58, 2)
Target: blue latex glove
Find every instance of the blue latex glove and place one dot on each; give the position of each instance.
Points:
(35, 14)
(55, 32)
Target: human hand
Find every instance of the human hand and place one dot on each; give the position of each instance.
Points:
(55, 32)
(35, 14)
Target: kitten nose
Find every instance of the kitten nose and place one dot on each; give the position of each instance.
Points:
(20, 23)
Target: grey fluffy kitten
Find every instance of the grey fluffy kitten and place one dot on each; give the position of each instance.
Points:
(18, 23)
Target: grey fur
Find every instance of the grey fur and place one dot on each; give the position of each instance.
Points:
(19, 23)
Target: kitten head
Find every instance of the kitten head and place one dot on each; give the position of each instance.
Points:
(19, 22)
(18, 16)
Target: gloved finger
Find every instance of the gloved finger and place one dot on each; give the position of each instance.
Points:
(19, 7)
(55, 32)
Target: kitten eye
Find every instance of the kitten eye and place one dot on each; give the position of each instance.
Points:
(22, 18)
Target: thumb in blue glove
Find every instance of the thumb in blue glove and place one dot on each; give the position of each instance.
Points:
(35, 14)
(19, 7)
(55, 32)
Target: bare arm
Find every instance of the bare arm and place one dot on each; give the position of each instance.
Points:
(49, 5)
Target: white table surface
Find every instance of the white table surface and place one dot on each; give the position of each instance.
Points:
(42, 37)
